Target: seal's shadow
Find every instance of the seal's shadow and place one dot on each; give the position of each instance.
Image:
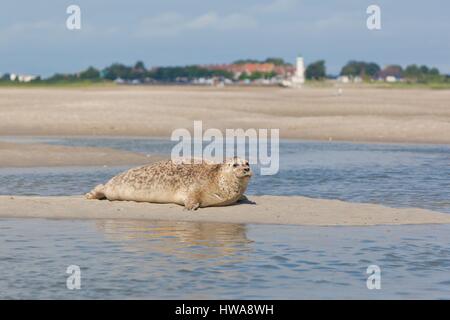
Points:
(245, 201)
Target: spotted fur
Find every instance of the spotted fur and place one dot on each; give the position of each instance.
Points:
(191, 184)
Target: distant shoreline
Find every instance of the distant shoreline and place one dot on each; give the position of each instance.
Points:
(313, 114)
(308, 84)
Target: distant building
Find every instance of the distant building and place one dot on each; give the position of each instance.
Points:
(343, 79)
(119, 81)
(250, 68)
(27, 78)
(391, 79)
(22, 77)
(390, 74)
(299, 76)
(238, 69)
(285, 70)
(298, 79)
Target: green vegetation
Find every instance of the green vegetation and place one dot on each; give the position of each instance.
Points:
(5, 77)
(120, 71)
(169, 74)
(244, 61)
(277, 61)
(413, 76)
(423, 74)
(90, 74)
(316, 70)
(274, 60)
(360, 68)
(56, 84)
(257, 75)
(117, 70)
(164, 74)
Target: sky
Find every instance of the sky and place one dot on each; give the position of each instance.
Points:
(34, 38)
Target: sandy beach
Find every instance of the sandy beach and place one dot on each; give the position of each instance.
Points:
(359, 114)
(292, 210)
(44, 155)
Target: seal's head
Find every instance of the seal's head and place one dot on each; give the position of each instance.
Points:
(238, 167)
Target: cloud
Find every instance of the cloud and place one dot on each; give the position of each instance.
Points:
(277, 6)
(43, 32)
(237, 21)
(174, 24)
(20, 29)
(340, 21)
(165, 24)
(204, 21)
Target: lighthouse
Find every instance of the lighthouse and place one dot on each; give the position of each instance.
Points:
(299, 77)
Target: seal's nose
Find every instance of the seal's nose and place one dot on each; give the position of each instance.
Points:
(247, 169)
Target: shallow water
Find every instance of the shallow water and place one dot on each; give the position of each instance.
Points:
(394, 175)
(142, 259)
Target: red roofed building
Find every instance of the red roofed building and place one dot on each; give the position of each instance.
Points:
(249, 68)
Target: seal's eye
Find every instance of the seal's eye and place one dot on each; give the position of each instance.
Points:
(235, 165)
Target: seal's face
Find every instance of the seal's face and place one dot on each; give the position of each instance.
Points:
(239, 167)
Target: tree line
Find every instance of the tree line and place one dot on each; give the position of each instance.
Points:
(141, 73)
(413, 72)
(371, 70)
(314, 71)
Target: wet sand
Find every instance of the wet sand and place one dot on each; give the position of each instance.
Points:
(359, 114)
(44, 155)
(294, 210)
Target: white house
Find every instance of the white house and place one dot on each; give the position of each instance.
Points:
(22, 77)
(26, 77)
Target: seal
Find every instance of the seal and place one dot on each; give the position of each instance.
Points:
(191, 184)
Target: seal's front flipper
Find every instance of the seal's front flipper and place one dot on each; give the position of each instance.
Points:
(191, 206)
(191, 203)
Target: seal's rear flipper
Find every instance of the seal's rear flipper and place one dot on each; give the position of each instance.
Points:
(96, 193)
